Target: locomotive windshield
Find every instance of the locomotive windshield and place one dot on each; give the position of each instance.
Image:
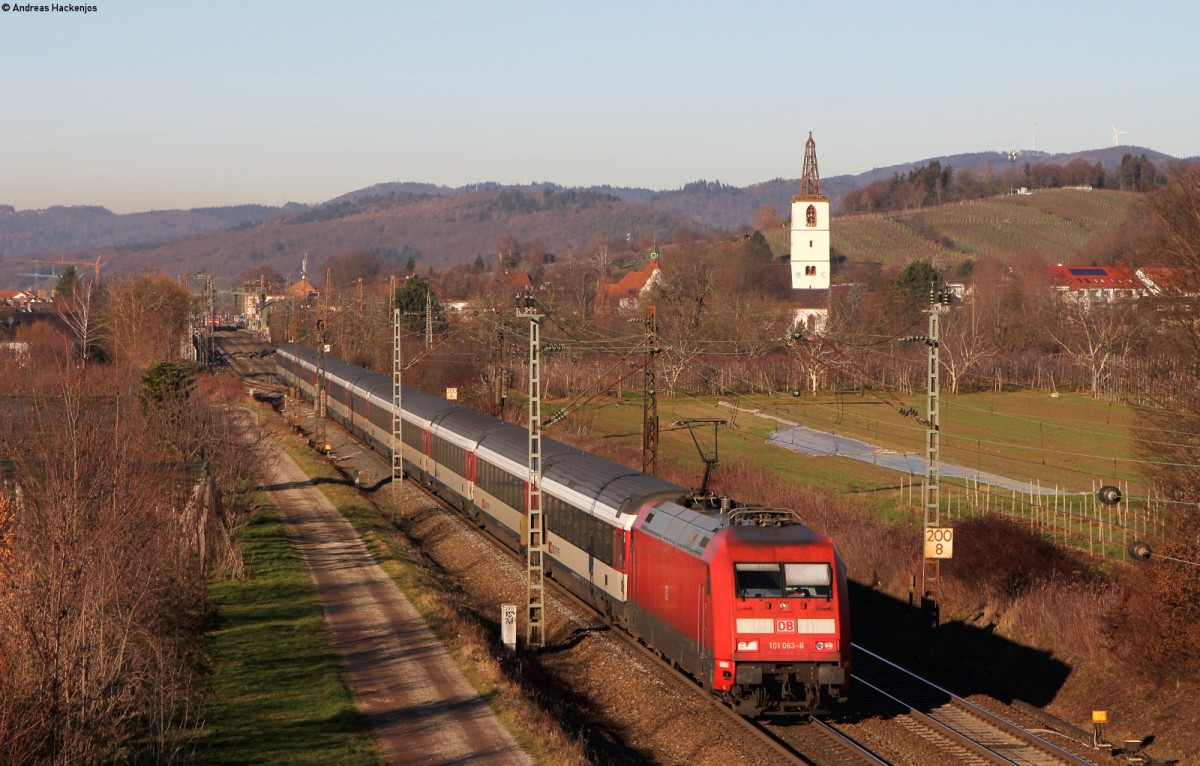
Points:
(775, 580)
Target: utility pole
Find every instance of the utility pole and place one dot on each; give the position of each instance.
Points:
(397, 423)
(319, 401)
(535, 634)
(650, 397)
(499, 393)
(936, 540)
(428, 318)
(210, 300)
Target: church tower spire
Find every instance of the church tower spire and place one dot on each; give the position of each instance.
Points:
(810, 179)
(810, 227)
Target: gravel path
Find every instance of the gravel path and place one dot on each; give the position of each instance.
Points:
(420, 708)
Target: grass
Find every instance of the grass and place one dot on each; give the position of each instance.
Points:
(1058, 223)
(1068, 441)
(278, 692)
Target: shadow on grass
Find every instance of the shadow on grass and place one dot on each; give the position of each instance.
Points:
(304, 484)
(961, 658)
(278, 695)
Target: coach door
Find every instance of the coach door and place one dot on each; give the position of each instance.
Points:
(620, 556)
(469, 475)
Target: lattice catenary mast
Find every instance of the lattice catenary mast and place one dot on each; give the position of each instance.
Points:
(535, 634)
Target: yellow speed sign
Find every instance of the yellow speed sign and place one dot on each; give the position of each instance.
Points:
(939, 542)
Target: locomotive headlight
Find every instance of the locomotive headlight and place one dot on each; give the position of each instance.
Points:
(826, 646)
(747, 646)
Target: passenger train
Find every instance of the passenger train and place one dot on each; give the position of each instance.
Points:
(748, 601)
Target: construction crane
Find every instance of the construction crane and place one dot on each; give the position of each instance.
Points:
(39, 263)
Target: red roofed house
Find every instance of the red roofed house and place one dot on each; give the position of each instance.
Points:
(516, 280)
(1097, 284)
(627, 292)
(301, 289)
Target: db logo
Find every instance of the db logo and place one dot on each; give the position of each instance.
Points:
(785, 626)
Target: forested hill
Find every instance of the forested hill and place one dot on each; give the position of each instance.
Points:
(440, 224)
(431, 230)
(57, 230)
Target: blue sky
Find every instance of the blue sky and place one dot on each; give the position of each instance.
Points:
(143, 105)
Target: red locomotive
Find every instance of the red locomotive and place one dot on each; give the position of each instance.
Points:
(749, 601)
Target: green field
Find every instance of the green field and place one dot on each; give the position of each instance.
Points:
(1069, 441)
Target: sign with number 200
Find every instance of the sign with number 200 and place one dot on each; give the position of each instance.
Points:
(939, 542)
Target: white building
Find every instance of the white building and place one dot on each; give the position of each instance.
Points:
(810, 257)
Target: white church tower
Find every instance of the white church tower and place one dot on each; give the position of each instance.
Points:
(810, 227)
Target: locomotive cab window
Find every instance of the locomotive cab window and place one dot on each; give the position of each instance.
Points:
(758, 580)
(808, 580)
(779, 580)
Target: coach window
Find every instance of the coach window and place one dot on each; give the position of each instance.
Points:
(411, 434)
(808, 580)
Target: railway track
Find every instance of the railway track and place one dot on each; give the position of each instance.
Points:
(250, 357)
(966, 731)
(823, 745)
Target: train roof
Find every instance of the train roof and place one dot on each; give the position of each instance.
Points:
(513, 443)
(683, 527)
(691, 529)
(344, 371)
(425, 406)
(463, 426)
(612, 484)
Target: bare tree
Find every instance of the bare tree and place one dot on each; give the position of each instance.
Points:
(97, 603)
(83, 316)
(146, 317)
(1097, 336)
(965, 341)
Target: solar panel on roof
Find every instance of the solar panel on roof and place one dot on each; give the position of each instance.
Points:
(1089, 272)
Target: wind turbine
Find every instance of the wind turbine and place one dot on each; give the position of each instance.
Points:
(1117, 135)
(1035, 138)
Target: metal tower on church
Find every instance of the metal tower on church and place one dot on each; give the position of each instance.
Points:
(810, 179)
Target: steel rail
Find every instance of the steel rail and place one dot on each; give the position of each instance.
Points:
(972, 741)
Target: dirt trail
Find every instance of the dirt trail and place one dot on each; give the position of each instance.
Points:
(420, 708)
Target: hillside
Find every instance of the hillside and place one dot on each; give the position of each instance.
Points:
(26, 233)
(441, 225)
(435, 231)
(1060, 225)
